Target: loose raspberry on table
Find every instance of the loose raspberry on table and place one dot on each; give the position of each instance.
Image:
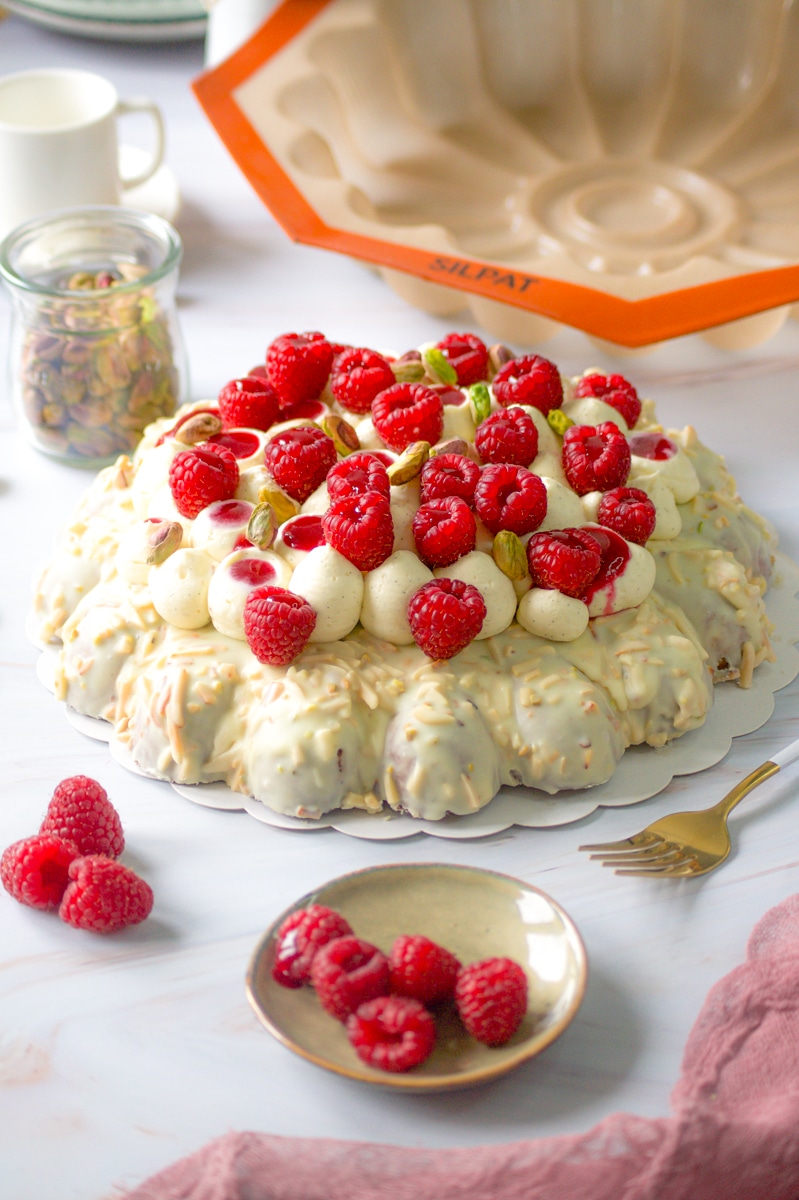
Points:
(595, 458)
(361, 528)
(298, 365)
(491, 998)
(422, 969)
(445, 615)
(510, 497)
(449, 475)
(347, 972)
(467, 354)
(298, 939)
(509, 436)
(566, 560)
(277, 624)
(299, 459)
(103, 895)
(199, 476)
(408, 412)
(629, 512)
(356, 474)
(530, 379)
(392, 1033)
(251, 402)
(616, 391)
(358, 376)
(80, 812)
(444, 530)
(35, 871)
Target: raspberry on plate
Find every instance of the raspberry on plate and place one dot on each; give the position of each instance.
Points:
(358, 376)
(347, 972)
(408, 412)
(530, 379)
(595, 458)
(616, 391)
(467, 354)
(510, 497)
(199, 476)
(298, 460)
(104, 896)
(491, 998)
(251, 402)
(356, 474)
(298, 939)
(35, 870)
(393, 1033)
(444, 530)
(509, 436)
(422, 969)
(298, 365)
(566, 560)
(80, 812)
(444, 616)
(277, 624)
(449, 475)
(361, 528)
(629, 512)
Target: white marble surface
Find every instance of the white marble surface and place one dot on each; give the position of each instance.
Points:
(119, 1055)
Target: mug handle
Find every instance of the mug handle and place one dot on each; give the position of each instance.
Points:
(141, 104)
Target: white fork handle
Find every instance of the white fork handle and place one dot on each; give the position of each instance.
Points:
(788, 755)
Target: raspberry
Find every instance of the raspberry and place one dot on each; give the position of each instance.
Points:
(251, 402)
(104, 896)
(530, 379)
(298, 939)
(80, 812)
(422, 969)
(444, 616)
(347, 972)
(35, 870)
(468, 355)
(392, 1033)
(299, 459)
(491, 998)
(199, 476)
(356, 474)
(595, 458)
(408, 412)
(361, 528)
(628, 511)
(298, 365)
(358, 376)
(510, 497)
(444, 530)
(277, 624)
(566, 560)
(509, 436)
(616, 391)
(449, 475)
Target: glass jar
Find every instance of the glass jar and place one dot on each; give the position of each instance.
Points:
(96, 352)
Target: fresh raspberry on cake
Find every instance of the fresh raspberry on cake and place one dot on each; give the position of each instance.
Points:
(444, 530)
(277, 624)
(202, 475)
(566, 560)
(449, 475)
(491, 998)
(467, 354)
(629, 512)
(422, 969)
(530, 379)
(510, 497)
(595, 458)
(81, 812)
(356, 474)
(408, 412)
(298, 460)
(347, 972)
(251, 402)
(103, 895)
(392, 1033)
(509, 436)
(35, 871)
(616, 391)
(299, 365)
(361, 528)
(358, 376)
(298, 939)
(445, 615)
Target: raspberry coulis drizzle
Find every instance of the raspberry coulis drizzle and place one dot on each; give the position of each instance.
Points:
(239, 442)
(615, 556)
(653, 446)
(252, 570)
(232, 512)
(303, 533)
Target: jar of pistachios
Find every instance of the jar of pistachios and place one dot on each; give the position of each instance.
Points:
(96, 352)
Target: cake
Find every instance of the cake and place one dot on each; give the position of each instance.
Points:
(496, 576)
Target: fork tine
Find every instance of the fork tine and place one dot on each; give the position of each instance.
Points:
(636, 842)
(683, 866)
(663, 852)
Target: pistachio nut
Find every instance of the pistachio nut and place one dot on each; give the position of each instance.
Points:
(163, 540)
(262, 526)
(479, 401)
(199, 428)
(557, 420)
(282, 504)
(409, 464)
(438, 366)
(341, 434)
(498, 355)
(454, 445)
(409, 371)
(509, 554)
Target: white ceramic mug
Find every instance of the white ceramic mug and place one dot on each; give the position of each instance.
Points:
(59, 145)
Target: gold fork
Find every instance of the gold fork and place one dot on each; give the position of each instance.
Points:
(686, 843)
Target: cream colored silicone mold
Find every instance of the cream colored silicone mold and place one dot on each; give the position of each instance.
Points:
(630, 169)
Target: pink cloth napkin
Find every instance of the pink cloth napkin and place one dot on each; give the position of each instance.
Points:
(733, 1135)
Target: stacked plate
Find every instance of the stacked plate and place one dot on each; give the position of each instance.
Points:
(137, 20)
